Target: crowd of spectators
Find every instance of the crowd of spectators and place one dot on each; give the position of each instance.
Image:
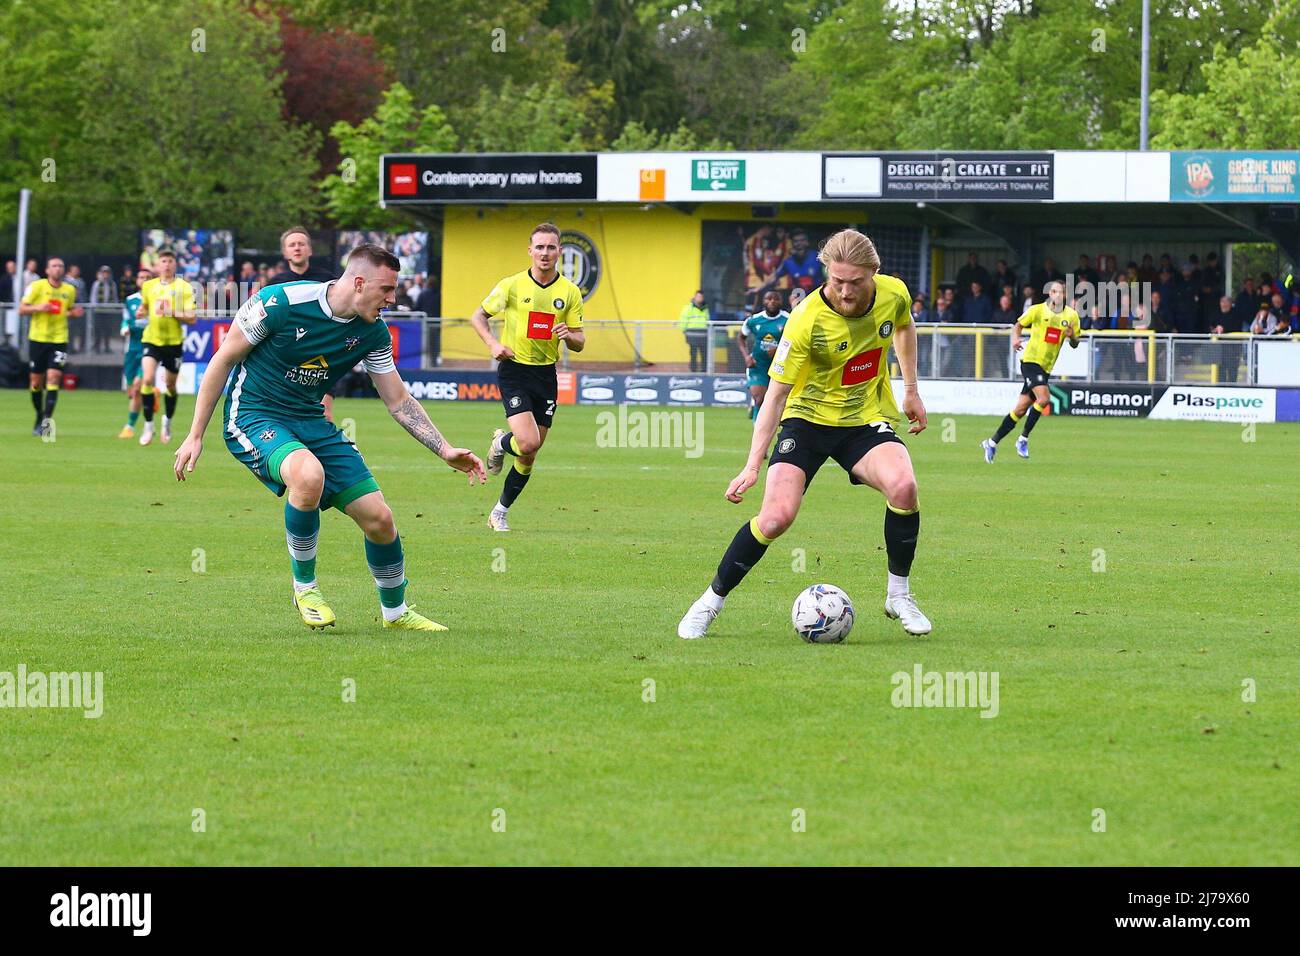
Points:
(1189, 297)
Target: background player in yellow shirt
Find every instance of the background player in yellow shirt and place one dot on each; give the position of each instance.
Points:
(1051, 324)
(540, 309)
(169, 303)
(49, 302)
(830, 391)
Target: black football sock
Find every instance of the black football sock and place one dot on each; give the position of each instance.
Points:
(506, 439)
(38, 402)
(745, 550)
(169, 402)
(1008, 423)
(146, 396)
(1031, 419)
(516, 478)
(51, 398)
(901, 531)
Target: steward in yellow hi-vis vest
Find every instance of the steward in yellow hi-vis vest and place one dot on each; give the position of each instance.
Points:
(831, 396)
(539, 309)
(1051, 324)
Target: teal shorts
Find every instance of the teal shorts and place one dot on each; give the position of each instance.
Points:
(262, 444)
(131, 364)
(758, 375)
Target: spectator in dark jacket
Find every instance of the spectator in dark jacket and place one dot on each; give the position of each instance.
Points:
(1041, 277)
(1002, 277)
(1211, 290)
(977, 309)
(1184, 307)
(1160, 320)
(1245, 305)
(972, 271)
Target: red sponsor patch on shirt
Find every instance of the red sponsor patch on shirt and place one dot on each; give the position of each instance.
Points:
(58, 306)
(1052, 335)
(540, 324)
(861, 368)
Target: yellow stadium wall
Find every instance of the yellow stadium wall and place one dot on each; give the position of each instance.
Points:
(649, 266)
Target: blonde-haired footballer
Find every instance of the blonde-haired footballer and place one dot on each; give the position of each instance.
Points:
(830, 391)
(541, 309)
(1051, 324)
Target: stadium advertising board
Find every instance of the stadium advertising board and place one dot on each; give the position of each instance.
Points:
(1230, 176)
(709, 177)
(700, 390)
(939, 176)
(488, 178)
(453, 386)
(1104, 401)
(1216, 404)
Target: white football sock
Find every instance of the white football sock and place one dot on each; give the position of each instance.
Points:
(393, 613)
(299, 587)
(712, 598)
(898, 586)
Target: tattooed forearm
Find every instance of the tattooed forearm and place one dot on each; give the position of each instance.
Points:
(415, 420)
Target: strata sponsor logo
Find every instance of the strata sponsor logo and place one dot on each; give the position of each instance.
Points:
(1217, 404)
(922, 688)
(73, 690)
(640, 388)
(730, 391)
(74, 908)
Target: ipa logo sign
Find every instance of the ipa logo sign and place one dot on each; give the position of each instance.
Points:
(1200, 175)
(580, 262)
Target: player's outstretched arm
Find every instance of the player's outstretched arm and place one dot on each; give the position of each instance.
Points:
(769, 416)
(234, 349)
(411, 415)
(913, 407)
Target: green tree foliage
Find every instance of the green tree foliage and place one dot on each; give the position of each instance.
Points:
(538, 117)
(398, 126)
(36, 62)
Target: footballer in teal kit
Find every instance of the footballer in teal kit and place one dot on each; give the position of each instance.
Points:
(286, 347)
(759, 336)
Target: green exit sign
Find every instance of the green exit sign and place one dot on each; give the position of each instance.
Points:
(717, 175)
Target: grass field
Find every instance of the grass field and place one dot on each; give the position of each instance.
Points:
(1120, 690)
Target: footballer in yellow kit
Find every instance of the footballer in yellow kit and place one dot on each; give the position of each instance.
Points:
(1051, 324)
(169, 304)
(831, 394)
(539, 309)
(49, 302)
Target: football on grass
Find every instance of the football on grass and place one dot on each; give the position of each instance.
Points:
(822, 614)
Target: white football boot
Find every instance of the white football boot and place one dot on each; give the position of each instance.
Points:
(1022, 447)
(904, 609)
(700, 615)
(146, 434)
(497, 520)
(990, 449)
(496, 454)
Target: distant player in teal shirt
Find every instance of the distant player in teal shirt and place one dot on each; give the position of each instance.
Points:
(288, 344)
(758, 339)
(133, 326)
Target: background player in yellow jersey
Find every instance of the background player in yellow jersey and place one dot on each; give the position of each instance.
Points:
(830, 391)
(1051, 324)
(540, 309)
(169, 303)
(49, 302)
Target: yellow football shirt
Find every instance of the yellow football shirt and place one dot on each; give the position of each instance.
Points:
(531, 312)
(839, 366)
(50, 326)
(1049, 332)
(165, 329)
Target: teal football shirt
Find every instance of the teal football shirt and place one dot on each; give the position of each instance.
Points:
(300, 348)
(133, 323)
(764, 334)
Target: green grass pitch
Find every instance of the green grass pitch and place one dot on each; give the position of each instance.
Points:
(1121, 690)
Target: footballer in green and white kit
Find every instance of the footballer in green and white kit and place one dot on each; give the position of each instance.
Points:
(287, 346)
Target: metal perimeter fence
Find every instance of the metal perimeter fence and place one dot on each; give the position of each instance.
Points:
(943, 351)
